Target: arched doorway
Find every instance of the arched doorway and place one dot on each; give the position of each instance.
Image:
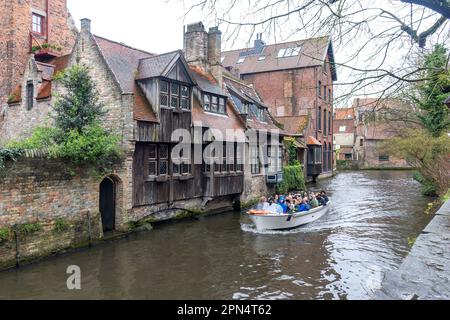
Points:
(108, 204)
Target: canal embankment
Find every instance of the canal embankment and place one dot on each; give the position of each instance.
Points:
(425, 273)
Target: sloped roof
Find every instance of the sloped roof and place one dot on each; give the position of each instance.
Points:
(155, 66)
(205, 81)
(345, 113)
(313, 53)
(295, 124)
(122, 60)
(240, 90)
(311, 141)
(142, 110)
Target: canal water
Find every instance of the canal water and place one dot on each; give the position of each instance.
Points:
(344, 255)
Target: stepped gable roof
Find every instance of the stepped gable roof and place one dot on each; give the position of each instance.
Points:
(313, 52)
(123, 61)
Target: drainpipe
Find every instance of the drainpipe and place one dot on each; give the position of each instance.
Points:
(47, 31)
(16, 237)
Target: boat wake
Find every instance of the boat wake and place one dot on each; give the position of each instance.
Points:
(250, 228)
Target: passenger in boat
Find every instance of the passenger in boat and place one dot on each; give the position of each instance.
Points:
(282, 204)
(290, 204)
(262, 203)
(304, 206)
(313, 201)
(271, 206)
(325, 199)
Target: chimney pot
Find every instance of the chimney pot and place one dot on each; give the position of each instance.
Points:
(86, 25)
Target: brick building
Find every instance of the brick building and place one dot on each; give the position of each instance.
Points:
(28, 26)
(295, 79)
(344, 129)
(361, 130)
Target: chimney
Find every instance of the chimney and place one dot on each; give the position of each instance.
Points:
(195, 45)
(85, 25)
(215, 53)
(259, 44)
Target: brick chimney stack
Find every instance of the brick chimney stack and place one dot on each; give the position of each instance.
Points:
(215, 53)
(204, 49)
(196, 45)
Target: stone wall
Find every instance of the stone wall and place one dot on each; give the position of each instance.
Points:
(368, 157)
(38, 194)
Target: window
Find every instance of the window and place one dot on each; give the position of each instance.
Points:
(325, 122)
(38, 22)
(185, 98)
(241, 60)
(329, 123)
(342, 128)
(262, 58)
(319, 119)
(254, 160)
(329, 95)
(239, 157)
(174, 95)
(325, 93)
(182, 167)
(163, 160)
(348, 156)
(221, 105)
(383, 158)
(275, 159)
(153, 160)
(319, 89)
(289, 52)
(30, 95)
(207, 103)
(214, 104)
(361, 142)
(260, 114)
(158, 160)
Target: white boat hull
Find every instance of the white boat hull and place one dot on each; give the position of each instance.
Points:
(284, 222)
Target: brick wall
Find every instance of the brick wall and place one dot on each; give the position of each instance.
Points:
(15, 24)
(294, 93)
(37, 191)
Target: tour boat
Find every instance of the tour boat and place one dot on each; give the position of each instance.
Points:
(273, 221)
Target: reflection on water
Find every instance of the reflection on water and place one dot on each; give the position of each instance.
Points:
(342, 256)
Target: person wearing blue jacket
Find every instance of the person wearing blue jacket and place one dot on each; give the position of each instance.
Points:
(304, 206)
(282, 204)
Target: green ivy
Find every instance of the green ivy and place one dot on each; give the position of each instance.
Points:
(5, 235)
(61, 226)
(9, 154)
(29, 228)
(293, 179)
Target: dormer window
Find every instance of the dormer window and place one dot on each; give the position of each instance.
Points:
(213, 103)
(38, 23)
(241, 60)
(260, 115)
(289, 52)
(262, 58)
(174, 95)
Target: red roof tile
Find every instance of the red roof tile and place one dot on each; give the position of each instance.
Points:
(142, 109)
(311, 141)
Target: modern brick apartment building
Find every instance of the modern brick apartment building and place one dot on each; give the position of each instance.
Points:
(27, 26)
(295, 79)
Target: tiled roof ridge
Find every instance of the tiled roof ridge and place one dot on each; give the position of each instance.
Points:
(124, 45)
(280, 43)
(161, 54)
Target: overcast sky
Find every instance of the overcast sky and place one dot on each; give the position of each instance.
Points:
(156, 25)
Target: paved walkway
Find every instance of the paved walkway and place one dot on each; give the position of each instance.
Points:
(425, 273)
